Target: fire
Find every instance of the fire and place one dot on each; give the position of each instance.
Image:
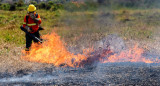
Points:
(53, 51)
(131, 55)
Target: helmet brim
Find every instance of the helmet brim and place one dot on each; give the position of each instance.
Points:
(31, 10)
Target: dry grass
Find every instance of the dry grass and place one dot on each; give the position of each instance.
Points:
(11, 61)
(78, 29)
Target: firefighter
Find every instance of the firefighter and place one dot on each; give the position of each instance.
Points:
(31, 24)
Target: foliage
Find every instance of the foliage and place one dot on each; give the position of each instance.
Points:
(56, 7)
(42, 5)
(20, 3)
(12, 7)
(82, 15)
(51, 3)
(33, 2)
(5, 6)
(52, 6)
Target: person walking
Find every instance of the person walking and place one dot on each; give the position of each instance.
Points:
(31, 26)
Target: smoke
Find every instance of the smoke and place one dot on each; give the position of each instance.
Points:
(95, 73)
(114, 42)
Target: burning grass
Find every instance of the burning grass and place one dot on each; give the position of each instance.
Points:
(132, 55)
(54, 52)
(78, 29)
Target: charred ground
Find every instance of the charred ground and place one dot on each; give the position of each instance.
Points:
(109, 74)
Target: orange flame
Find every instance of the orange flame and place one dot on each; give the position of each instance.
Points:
(131, 55)
(54, 52)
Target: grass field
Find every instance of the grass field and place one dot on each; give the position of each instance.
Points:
(80, 29)
(132, 24)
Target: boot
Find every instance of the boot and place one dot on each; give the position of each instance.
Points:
(27, 51)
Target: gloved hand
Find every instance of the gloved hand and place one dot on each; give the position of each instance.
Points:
(28, 28)
(32, 15)
(36, 20)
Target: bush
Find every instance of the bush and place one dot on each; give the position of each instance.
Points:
(20, 3)
(56, 7)
(5, 6)
(12, 7)
(42, 5)
(48, 6)
(33, 2)
(51, 3)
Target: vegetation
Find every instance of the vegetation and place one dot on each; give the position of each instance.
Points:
(89, 21)
(78, 24)
(88, 4)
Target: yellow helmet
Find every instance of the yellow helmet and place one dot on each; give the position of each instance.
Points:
(31, 8)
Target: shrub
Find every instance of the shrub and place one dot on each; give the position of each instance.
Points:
(56, 7)
(33, 2)
(48, 6)
(12, 7)
(42, 5)
(51, 3)
(20, 3)
(5, 6)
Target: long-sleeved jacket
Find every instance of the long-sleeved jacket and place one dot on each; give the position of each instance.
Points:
(31, 23)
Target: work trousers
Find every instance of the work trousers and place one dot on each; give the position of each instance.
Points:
(29, 39)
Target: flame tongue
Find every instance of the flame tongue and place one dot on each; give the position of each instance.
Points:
(131, 55)
(54, 52)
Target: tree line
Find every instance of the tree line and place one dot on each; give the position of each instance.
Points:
(72, 5)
